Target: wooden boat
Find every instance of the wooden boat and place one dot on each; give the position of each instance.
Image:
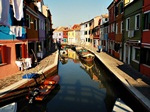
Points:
(87, 56)
(12, 107)
(120, 106)
(42, 90)
(63, 53)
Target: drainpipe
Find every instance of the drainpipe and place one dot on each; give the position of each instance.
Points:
(141, 39)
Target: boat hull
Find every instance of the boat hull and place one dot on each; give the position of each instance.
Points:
(9, 108)
(44, 89)
(120, 106)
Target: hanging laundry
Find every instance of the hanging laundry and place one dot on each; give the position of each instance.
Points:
(12, 30)
(18, 9)
(19, 31)
(4, 12)
(16, 30)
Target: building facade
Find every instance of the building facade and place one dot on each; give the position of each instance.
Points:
(132, 33)
(119, 11)
(145, 42)
(111, 29)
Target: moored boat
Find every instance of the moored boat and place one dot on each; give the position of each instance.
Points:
(120, 106)
(87, 56)
(42, 90)
(63, 53)
(12, 107)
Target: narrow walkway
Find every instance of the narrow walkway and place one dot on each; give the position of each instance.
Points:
(137, 83)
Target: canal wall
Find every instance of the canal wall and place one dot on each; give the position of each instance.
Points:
(129, 82)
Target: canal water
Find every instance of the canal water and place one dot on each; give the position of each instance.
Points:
(83, 87)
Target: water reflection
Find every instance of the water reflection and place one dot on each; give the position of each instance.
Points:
(81, 90)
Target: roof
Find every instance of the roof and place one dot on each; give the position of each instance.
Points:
(76, 27)
(61, 28)
(104, 15)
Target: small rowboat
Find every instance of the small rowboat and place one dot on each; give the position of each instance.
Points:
(43, 89)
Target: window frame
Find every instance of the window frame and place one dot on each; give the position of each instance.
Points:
(28, 21)
(116, 28)
(128, 24)
(146, 25)
(134, 54)
(137, 22)
(121, 28)
(35, 24)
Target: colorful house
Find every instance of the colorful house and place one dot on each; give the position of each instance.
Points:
(42, 49)
(86, 32)
(132, 32)
(76, 29)
(19, 43)
(119, 11)
(82, 34)
(94, 32)
(145, 42)
(12, 40)
(71, 36)
(111, 29)
(104, 31)
(48, 28)
(65, 35)
(32, 28)
(58, 34)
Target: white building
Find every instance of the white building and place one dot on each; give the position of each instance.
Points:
(58, 34)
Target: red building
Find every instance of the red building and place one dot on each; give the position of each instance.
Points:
(145, 44)
(111, 29)
(118, 29)
(65, 34)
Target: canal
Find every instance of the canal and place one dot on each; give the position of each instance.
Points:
(83, 87)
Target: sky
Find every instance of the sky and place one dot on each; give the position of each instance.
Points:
(69, 12)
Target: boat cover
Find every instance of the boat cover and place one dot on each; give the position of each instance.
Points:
(30, 76)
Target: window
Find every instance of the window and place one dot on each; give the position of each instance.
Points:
(137, 21)
(18, 51)
(116, 11)
(39, 24)
(90, 24)
(28, 21)
(146, 56)
(127, 24)
(85, 25)
(121, 7)
(147, 20)
(117, 47)
(2, 54)
(121, 28)
(116, 28)
(89, 39)
(43, 27)
(85, 33)
(111, 27)
(136, 54)
(35, 24)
